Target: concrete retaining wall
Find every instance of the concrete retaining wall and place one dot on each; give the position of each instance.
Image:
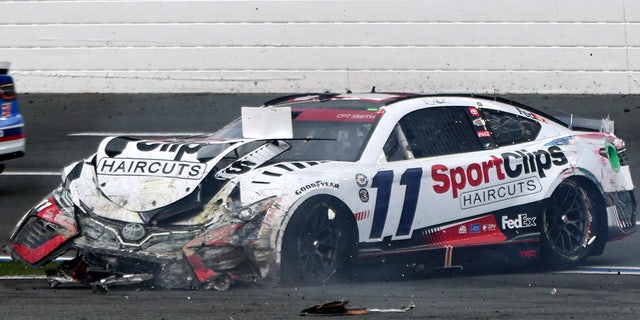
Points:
(493, 46)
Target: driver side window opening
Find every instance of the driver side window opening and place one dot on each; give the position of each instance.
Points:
(432, 132)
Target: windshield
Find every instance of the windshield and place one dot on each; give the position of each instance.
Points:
(318, 134)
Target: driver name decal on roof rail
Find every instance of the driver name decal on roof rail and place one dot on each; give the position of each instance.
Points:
(337, 115)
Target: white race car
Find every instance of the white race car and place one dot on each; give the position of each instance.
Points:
(307, 185)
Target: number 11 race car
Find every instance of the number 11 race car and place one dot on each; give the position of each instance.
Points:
(310, 185)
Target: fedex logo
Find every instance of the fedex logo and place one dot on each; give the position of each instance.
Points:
(507, 165)
(522, 221)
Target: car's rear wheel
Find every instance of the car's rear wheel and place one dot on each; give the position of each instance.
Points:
(568, 225)
(317, 243)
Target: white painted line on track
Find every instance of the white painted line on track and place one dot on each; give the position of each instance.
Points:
(603, 270)
(31, 173)
(23, 278)
(6, 258)
(148, 134)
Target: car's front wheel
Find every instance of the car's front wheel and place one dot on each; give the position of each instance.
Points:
(569, 225)
(317, 243)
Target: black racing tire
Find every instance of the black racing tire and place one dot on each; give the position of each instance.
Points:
(568, 225)
(318, 242)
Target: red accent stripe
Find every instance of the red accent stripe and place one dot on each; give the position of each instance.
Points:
(362, 215)
(13, 137)
(486, 231)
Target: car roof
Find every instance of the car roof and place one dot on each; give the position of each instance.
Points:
(375, 100)
(356, 101)
(351, 100)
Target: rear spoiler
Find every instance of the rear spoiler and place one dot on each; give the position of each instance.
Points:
(583, 124)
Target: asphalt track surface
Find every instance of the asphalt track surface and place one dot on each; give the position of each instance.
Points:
(65, 128)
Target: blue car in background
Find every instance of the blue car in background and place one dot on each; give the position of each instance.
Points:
(12, 137)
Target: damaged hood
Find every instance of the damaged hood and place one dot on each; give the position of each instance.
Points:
(143, 175)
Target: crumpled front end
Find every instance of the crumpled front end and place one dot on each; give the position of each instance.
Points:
(237, 247)
(186, 246)
(169, 213)
(183, 247)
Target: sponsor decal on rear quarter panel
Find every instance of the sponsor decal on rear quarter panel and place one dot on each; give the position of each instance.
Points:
(488, 175)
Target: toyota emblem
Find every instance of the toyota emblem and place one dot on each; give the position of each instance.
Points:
(133, 232)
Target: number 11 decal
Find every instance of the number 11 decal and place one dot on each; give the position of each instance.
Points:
(383, 181)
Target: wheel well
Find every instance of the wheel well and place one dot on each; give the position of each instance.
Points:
(343, 215)
(601, 212)
(343, 209)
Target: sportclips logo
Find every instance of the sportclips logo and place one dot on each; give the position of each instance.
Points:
(507, 166)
